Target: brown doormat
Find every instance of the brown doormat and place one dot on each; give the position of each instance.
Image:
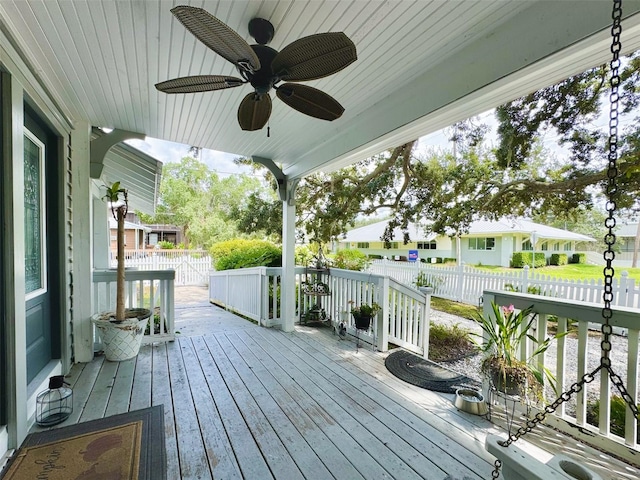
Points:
(129, 446)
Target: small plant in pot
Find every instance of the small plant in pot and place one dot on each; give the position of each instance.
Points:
(502, 366)
(122, 330)
(363, 314)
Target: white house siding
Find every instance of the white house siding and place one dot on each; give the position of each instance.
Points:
(484, 257)
(18, 86)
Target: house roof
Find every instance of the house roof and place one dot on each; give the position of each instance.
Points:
(127, 225)
(627, 230)
(421, 66)
(138, 172)
(374, 231)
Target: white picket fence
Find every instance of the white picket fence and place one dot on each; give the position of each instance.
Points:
(191, 266)
(464, 283)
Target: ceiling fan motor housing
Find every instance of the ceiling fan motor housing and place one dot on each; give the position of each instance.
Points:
(263, 79)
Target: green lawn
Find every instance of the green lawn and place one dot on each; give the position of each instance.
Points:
(573, 271)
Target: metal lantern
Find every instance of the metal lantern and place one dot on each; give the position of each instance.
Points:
(55, 404)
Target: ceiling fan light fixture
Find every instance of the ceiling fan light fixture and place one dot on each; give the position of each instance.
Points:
(261, 30)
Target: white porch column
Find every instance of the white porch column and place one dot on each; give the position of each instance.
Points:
(82, 261)
(287, 292)
(13, 275)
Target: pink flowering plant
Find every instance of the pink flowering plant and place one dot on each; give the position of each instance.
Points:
(503, 333)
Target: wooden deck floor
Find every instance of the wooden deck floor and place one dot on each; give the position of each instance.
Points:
(247, 402)
(257, 403)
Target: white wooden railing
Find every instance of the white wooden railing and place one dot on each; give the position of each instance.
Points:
(191, 266)
(464, 283)
(402, 320)
(152, 289)
(569, 312)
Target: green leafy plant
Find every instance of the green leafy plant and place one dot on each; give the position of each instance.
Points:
(422, 280)
(364, 309)
(504, 331)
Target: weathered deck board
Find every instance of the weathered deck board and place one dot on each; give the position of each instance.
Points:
(141, 389)
(299, 410)
(418, 434)
(397, 457)
(279, 460)
(269, 403)
(121, 383)
(250, 459)
(220, 456)
(458, 429)
(408, 425)
(161, 395)
(193, 458)
(256, 403)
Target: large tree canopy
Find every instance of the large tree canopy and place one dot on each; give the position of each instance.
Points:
(518, 177)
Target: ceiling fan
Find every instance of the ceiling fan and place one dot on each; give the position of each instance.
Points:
(307, 58)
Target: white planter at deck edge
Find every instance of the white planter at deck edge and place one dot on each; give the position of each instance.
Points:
(121, 341)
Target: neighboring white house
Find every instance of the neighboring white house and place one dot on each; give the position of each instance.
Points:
(487, 242)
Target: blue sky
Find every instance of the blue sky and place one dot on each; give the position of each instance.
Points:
(222, 162)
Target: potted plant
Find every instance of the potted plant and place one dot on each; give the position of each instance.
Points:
(121, 331)
(363, 314)
(504, 333)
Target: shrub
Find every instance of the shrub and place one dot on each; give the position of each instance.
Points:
(164, 245)
(558, 259)
(241, 253)
(520, 259)
(447, 343)
(579, 258)
(438, 259)
(350, 260)
(449, 260)
(617, 414)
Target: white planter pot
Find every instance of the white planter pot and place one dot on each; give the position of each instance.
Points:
(121, 341)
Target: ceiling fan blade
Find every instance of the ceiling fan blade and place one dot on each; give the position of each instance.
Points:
(315, 56)
(254, 111)
(310, 101)
(198, 83)
(217, 36)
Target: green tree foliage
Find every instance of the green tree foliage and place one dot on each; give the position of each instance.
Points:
(242, 253)
(195, 199)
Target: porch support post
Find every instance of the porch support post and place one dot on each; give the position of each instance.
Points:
(286, 192)
(82, 241)
(288, 290)
(13, 313)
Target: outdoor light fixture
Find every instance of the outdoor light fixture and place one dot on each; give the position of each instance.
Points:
(55, 404)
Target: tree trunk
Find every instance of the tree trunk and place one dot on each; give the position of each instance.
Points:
(636, 247)
(120, 214)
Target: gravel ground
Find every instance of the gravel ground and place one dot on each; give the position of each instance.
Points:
(470, 366)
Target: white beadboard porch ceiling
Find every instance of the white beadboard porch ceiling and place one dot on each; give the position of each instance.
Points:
(421, 66)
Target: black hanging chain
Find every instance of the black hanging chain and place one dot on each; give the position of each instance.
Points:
(609, 255)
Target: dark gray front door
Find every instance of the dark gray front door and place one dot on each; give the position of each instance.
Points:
(35, 248)
(44, 261)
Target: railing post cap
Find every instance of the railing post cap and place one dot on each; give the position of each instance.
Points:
(426, 290)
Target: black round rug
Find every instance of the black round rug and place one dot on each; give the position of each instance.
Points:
(425, 373)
